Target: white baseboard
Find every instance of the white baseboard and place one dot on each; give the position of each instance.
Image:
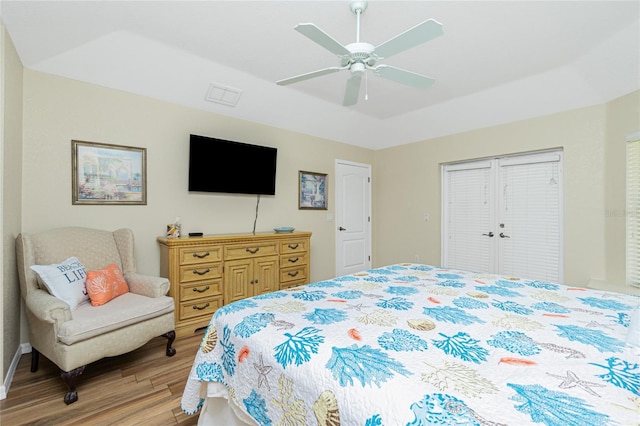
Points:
(24, 348)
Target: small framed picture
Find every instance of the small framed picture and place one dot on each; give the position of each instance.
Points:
(312, 191)
(108, 174)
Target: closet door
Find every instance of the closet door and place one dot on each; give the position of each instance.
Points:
(468, 197)
(504, 216)
(530, 217)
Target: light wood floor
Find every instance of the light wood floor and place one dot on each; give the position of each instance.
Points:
(143, 387)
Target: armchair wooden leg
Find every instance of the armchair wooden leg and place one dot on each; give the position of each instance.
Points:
(35, 359)
(171, 335)
(69, 378)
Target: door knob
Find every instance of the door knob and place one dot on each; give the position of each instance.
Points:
(490, 234)
(342, 229)
(504, 236)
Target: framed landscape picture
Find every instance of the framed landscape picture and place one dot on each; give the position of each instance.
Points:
(108, 174)
(312, 192)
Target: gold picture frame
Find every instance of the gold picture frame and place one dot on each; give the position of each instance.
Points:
(312, 191)
(105, 174)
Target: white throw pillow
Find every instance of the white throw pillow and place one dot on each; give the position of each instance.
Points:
(65, 280)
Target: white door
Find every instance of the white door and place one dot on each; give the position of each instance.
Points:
(353, 217)
(530, 217)
(504, 215)
(467, 197)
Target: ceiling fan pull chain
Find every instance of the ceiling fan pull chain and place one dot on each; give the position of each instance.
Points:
(366, 86)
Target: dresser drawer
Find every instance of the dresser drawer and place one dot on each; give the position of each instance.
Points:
(294, 245)
(297, 273)
(200, 254)
(200, 272)
(244, 251)
(200, 308)
(291, 284)
(294, 259)
(200, 290)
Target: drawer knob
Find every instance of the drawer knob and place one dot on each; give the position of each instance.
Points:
(293, 274)
(199, 308)
(197, 290)
(293, 246)
(293, 259)
(254, 251)
(206, 271)
(201, 256)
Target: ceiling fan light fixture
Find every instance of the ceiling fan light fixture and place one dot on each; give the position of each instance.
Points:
(357, 68)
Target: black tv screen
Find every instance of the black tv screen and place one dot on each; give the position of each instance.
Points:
(218, 165)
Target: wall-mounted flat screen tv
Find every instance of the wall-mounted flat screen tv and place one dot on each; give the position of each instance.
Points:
(218, 165)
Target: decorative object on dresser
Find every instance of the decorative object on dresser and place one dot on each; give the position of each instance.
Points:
(63, 325)
(209, 271)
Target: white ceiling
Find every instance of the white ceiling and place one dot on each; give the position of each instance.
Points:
(498, 61)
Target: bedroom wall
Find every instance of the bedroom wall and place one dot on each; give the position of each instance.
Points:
(407, 178)
(57, 110)
(10, 199)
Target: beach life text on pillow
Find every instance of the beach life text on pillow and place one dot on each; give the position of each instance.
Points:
(65, 280)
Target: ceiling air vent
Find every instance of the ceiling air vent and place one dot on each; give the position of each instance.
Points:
(223, 94)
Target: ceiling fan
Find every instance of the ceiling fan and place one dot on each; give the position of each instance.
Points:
(358, 57)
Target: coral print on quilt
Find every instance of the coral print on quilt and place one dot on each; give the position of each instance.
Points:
(412, 344)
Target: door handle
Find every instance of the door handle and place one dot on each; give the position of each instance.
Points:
(341, 228)
(504, 236)
(490, 234)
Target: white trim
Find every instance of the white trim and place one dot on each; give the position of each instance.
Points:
(24, 348)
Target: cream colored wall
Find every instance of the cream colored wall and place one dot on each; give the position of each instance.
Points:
(623, 119)
(407, 185)
(406, 179)
(10, 200)
(57, 110)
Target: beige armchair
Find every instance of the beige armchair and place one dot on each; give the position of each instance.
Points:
(73, 339)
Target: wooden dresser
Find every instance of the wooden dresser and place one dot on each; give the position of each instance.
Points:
(210, 271)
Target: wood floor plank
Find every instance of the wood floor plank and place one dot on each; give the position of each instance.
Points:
(143, 387)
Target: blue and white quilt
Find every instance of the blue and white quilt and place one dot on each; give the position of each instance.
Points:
(412, 344)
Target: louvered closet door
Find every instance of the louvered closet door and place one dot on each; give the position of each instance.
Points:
(468, 197)
(504, 216)
(530, 217)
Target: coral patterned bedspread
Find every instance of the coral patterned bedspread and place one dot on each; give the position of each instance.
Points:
(420, 345)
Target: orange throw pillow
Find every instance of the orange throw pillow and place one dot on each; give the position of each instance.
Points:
(105, 284)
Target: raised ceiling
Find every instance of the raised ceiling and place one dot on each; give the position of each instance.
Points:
(498, 61)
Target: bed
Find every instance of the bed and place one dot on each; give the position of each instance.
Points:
(419, 345)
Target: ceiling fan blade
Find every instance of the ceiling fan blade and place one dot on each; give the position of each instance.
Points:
(308, 75)
(352, 91)
(414, 36)
(323, 39)
(405, 77)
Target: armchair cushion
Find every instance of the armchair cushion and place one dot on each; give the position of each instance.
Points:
(130, 308)
(65, 280)
(105, 284)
